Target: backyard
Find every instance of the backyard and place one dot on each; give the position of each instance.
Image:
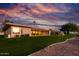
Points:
(26, 45)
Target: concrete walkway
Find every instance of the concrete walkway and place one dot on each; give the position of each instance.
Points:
(68, 48)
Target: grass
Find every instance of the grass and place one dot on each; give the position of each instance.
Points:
(27, 45)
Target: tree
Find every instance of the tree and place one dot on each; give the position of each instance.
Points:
(69, 27)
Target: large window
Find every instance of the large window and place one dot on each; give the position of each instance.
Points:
(15, 29)
(36, 33)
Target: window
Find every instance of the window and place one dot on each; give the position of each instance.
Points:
(15, 29)
(36, 33)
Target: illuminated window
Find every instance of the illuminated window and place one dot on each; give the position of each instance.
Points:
(36, 33)
(15, 29)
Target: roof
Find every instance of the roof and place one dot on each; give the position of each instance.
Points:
(14, 24)
(29, 26)
(39, 29)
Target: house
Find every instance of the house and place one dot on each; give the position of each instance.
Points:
(12, 30)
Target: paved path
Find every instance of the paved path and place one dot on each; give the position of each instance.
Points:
(67, 48)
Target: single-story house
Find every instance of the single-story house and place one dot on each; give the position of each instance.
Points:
(12, 30)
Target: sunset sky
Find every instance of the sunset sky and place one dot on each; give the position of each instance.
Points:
(48, 13)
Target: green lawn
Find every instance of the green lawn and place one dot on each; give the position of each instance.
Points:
(27, 45)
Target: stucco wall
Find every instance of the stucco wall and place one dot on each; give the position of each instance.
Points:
(26, 31)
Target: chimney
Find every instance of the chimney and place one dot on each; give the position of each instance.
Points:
(34, 22)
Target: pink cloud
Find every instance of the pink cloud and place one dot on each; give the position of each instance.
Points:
(39, 10)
